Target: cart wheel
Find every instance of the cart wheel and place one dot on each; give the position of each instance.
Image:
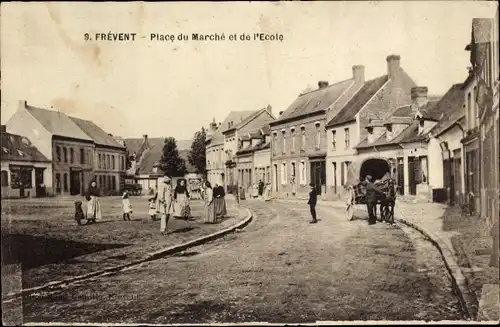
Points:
(349, 211)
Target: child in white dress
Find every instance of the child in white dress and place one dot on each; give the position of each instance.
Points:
(127, 207)
(152, 208)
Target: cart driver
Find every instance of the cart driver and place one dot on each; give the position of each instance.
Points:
(371, 199)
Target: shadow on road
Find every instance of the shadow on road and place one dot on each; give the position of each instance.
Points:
(35, 251)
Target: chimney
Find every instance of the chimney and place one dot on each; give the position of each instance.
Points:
(393, 65)
(22, 104)
(3, 129)
(145, 137)
(269, 109)
(213, 126)
(419, 96)
(322, 84)
(358, 73)
(110, 134)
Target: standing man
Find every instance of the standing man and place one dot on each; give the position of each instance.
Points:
(261, 188)
(313, 199)
(371, 199)
(164, 201)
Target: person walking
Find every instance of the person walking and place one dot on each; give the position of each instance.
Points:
(219, 200)
(261, 188)
(371, 199)
(313, 199)
(164, 203)
(209, 204)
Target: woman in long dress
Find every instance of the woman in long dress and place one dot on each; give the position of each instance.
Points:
(181, 198)
(219, 201)
(209, 204)
(93, 205)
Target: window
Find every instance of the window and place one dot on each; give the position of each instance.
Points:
(5, 178)
(275, 143)
(58, 153)
(82, 156)
(113, 163)
(303, 136)
(284, 141)
(65, 154)
(71, 155)
(302, 173)
(65, 182)
(318, 135)
(421, 126)
(292, 132)
(334, 140)
(122, 163)
(389, 131)
(100, 161)
(283, 173)
(293, 173)
(346, 137)
(108, 162)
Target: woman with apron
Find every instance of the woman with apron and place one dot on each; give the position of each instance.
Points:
(181, 200)
(93, 205)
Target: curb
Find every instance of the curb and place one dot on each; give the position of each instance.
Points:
(149, 257)
(459, 282)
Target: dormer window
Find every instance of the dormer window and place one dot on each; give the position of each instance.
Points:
(388, 131)
(421, 126)
(370, 130)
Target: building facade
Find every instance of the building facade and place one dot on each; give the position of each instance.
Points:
(73, 146)
(371, 104)
(145, 155)
(299, 140)
(215, 154)
(109, 160)
(26, 172)
(232, 129)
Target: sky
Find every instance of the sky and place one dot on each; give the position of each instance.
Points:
(164, 88)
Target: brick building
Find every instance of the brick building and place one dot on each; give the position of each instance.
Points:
(298, 136)
(373, 102)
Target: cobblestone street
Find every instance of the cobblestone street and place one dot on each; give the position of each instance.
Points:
(279, 268)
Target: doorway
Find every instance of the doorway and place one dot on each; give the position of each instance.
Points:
(276, 178)
(75, 182)
(318, 175)
(39, 185)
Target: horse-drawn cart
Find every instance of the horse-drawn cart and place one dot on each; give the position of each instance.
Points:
(380, 171)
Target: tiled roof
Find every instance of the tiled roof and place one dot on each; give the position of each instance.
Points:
(429, 111)
(266, 130)
(316, 100)
(350, 110)
(57, 123)
(249, 118)
(19, 148)
(404, 111)
(400, 120)
(236, 117)
(408, 135)
(99, 136)
(153, 156)
(451, 108)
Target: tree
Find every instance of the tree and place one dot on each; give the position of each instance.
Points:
(171, 163)
(197, 156)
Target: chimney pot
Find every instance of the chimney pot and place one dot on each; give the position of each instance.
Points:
(393, 65)
(322, 84)
(145, 137)
(358, 73)
(22, 104)
(419, 95)
(281, 113)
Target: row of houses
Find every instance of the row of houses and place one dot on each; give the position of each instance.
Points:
(440, 147)
(46, 152)
(144, 156)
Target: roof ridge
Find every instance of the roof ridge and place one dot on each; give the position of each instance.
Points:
(330, 85)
